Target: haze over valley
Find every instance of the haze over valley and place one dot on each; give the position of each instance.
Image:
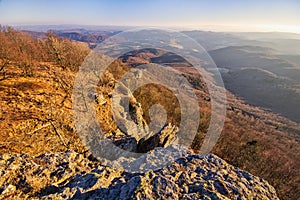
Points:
(150, 99)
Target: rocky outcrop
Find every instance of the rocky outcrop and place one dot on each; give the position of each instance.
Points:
(69, 175)
(128, 113)
(163, 138)
(135, 134)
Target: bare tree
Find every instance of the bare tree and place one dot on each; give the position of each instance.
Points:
(65, 53)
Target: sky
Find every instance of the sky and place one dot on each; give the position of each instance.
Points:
(229, 15)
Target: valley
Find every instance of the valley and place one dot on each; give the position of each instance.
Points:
(36, 105)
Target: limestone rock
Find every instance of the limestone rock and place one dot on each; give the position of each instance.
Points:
(128, 113)
(69, 175)
(163, 138)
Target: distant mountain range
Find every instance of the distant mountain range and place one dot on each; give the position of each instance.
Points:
(261, 68)
(37, 115)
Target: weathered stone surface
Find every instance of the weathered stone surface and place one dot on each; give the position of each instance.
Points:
(69, 175)
(128, 113)
(151, 161)
(163, 138)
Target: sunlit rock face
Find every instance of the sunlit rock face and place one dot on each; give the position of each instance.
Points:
(77, 176)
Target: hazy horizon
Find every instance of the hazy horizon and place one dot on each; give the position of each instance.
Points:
(217, 15)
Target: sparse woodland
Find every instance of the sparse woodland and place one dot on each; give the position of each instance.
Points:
(36, 79)
(26, 52)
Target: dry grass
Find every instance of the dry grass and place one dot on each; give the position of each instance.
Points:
(36, 117)
(36, 112)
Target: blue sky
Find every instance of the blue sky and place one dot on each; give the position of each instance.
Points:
(172, 13)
